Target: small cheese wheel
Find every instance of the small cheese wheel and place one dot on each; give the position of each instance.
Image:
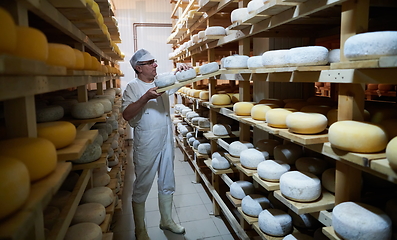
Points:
(114, 162)
(258, 112)
(288, 153)
(8, 35)
(197, 142)
(334, 56)
(221, 129)
(328, 179)
(307, 56)
(238, 14)
(353, 220)
(209, 68)
(191, 140)
(87, 61)
(201, 34)
(250, 158)
(60, 133)
(300, 186)
(242, 108)
(14, 185)
(49, 113)
(275, 222)
(89, 212)
(220, 163)
(185, 75)
(235, 97)
(61, 55)
(38, 154)
(102, 195)
(84, 231)
(204, 148)
(311, 164)
(87, 110)
(254, 204)
(267, 145)
(215, 31)
(357, 136)
(31, 43)
(66, 104)
(95, 65)
(240, 189)
(271, 170)
(236, 147)
(391, 152)
(275, 58)
(277, 117)
(101, 180)
(92, 153)
(306, 123)
(204, 95)
(235, 62)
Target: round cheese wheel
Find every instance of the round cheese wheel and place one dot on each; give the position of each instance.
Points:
(101, 180)
(66, 105)
(8, 35)
(204, 148)
(215, 31)
(61, 55)
(277, 117)
(267, 145)
(164, 79)
(38, 154)
(185, 75)
(235, 62)
(237, 15)
(253, 5)
(235, 97)
(311, 164)
(114, 162)
(334, 56)
(60, 133)
(250, 158)
(191, 115)
(300, 186)
(89, 212)
(87, 61)
(258, 112)
(254, 204)
(92, 153)
(240, 189)
(303, 220)
(242, 108)
(371, 45)
(84, 231)
(357, 136)
(31, 43)
(271, 170)
(201, 34)
(307, 56)
(209, 68)
(221, 129)
(328, 179)
(49, 113)
(95, 64)
(87, 110)
(236, 147)
(195, 120)
(391, 152)
(60, 199)
(185, 111)
(197, 142)
(220, 163)
(204, 123)
(361, 221)
(102, 195)
(255, 62)
(275, 222)
(306, 123)
(275, 58)
(14, 185)
(191, 140)
(204, 95)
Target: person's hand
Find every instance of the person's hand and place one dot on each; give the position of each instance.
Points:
(182, 67)
(151, 93)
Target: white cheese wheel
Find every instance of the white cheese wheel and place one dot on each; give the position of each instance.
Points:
(255, 62)
(89, 212)
(311, 164)
(216, 155)
(92, 153)
(303, 220)
(102, 195)
(328, 179)
(105, 126)
(185, 75)
(243, 108)
(258, 112)
(235, 62)
(275, 222)
(299, 186)
(288, 153)
(107, 105)
(87, 110)
(215, 31)
(361, 221)
(250, 158)
(220, 163)
(267, 145)
(236, 147)
(221, 129)
(84, 231)
(306, 123)
(110, 97)
(191, 140)
(49, 113)
(357, 136)
(253, 5)
(237, 15)
(185, 111)
(201, 34)
(297, 236)
(240, 189)
(164, 79)
(209, 68)
(220, 99)
(277, 117)
(204, 123)
(254, 204)
(334, 56)
(391, 152)
(101, 180)
(195, 120)
(191, 115)
(103, 133)
(271, 170)
(307, 56)
(204, 95)
(275, 58)
(371, 45)
(66, 104)
(204, 148)
(197, 142)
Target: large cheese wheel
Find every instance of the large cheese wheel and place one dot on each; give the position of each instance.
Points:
(61, 55)
(14, 185)
(31, 43)
(240, 189)
(267, 145)
(275, 222)
(254, 62)
(38, 154)
(84, 231)
(8, 35)
(300, 186)
(209, 68)
(361, 221)
(306, 123)
(66, 105)
(79, 64)
(391, 152)
(254, 204)
(201, 34)
(235, 62)
(275, 58)
(204, 95)
(250, 158)
(101, 180)
(185, 75)
(164, 80)
(277, 117)
(220, 163)
(90, 154)
(271, 170)
(371, 45)
(243, 108)
(221, 129)
(236, 147)
(328, 179)
(307, 56)
(102, 195)
(87, 61)
(60, 133)
(89, 212)
(357, 136)
(215, 31)
(49, 113)
(204, 123)
(311, 164)
(258, 112)
(87, 110)
(237, 15)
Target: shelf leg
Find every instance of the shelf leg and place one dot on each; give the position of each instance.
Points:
(215, 185)
(20, 117)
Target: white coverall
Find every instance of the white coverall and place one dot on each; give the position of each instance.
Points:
(153, 148)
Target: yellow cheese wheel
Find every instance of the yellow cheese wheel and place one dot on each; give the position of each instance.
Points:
(276, 117)
(391, 153)
(89, 2)
(220, 99)
(196, 93)
(61, 55)
(278, 102)
(87, 61)
(323, 109)
(8, 34)
(306, 123)
(38, 154)
(95, 65)
(204, 95)
(31, 43)
(242, 108)
(258, 112)
(357, 136)
(79, 64)
(95, 8)
(60, 133)
(14, 185)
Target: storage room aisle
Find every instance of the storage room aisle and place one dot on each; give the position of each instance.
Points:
(192, 208)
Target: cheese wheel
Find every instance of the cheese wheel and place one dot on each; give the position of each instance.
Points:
(102, 195)
(240, 189)
(258, 112)
(253, 5)
(391, 152)
(371, 45)
(237, 15)
(89, 212)
(191, 115)
(306, 123)
(305, 221)
(271, 170)
(201, 34)
(220, 163)
(8, 35)
(254, 204)
(114, 162)
(209, 68)
(275, 222)
(221, 129)
(215, 31)
(84, 231)
(66, 105)
(255, 62)
(31, 43)
(300, 186)
(90, 154)
(87, 110)
(267, 145)
(49, 113)
(357, 136)
(216, 155)
(204, 148)
(242, 108)
(334, 56)
(361, 221)
(235, 97)
(277, 117)
(101, 180)
(250, 158)
(311, 164)
(185, 75)
(87, 61)
(38, 154)
(328, 179)
(307, 56)
(204, 123)
(236, 147)
(191, 140)
(197, 142)
(288, 153)
(14, 185)
(275, 58)
(204, 95)
(61, 55)
(235, 62)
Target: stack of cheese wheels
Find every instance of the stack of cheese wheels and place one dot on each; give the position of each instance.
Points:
(237, 15)
(60, 133)
(277, 117)
(275, 58)
(236, 147)
(300, 186)
(254, 204)
(250, 158)
(165, 79)
(102, 195)
(306, 123)
(92, 153)
(185, 75)
(240, 189)
(307, 56)
(235, 62)
(391, 152)
(89, 212)
(271, 170)
(209, 68)
(87, 110)
(8, 39)
(31, 43)
(275, 222)
(357, 136)
(353, 220)
(220, 129)
(328, 179)
(258, 111)
(311, 164)
(243, 108)
(220, 163)
(49, 113)
(267, 145)
(84, 231)
(288, 153)
(61, 55)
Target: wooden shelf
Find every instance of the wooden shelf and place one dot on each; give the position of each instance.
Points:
(217, 171)
(330, 233)
(246, 171)
(211, 136)
(263, 235)
(90, 135)
(304, 139)
(383, 167)
(74, 151)
(249, 219)
(269, 186)
(107, 236)
(233, 160)
(105, 225)
(102, 161)
(236, 202)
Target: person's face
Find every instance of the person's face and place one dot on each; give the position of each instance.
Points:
(148, 68)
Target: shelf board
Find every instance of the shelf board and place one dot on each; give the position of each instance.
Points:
(14, 65)
(211, 136)
(76, 121)
(73, 151)
(102, 161)
(269, 186)
(383, 166)
(249, 219)
(105, 225)
(263, 235)
(274, 7)
(246, 171)
(304, 139)
(90, 135)
(236, 202)
(233, 160)
(217, 171)
(207, 5)
(330, 233)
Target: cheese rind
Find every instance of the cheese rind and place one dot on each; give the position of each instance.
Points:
(236, 147)
(220, 163)
(235, 62)
(275, 58)
(254, 62)
(61, 55)
(299, 186)
(307, 56)
(8, 35)
(220, 99)
(31, 43)
(90, 154)
(238, 14)
(277, 117)
(243, 108)
(254, 204)
(267, 145)
(185, 75)
(221, 129)
(306, 123)
(60, 133)
(271, 170)
(49, 113)
(311, 164)
(391, 152)
(165, 80)
(288, 153)
(258, 111)
(102, 195)
(215, 31)
(209, 68)
(240, 189)
(250, 158)
(87, 110)
(275, 222)
(84, 231)
(89, 212)
(328, 179)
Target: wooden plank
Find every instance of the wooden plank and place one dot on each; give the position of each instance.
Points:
(326, 201)
(68, 3)
(90, 135)
(207, 5)
(111, 207)
(325, 217)
(383, 166)
(102, 161)
(246, 171)
(249, 219)
(263, 235)
(305, 139)
(236, 202)
(330, 233)
(373, 63)
(269, 186)
(107, 236)
(73, 151)
(14, 65)
(233, 160)
(105, 225)
(274, 7)
(211, 136)
(217, 171)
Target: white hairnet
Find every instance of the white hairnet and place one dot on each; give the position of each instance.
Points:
(140, 56)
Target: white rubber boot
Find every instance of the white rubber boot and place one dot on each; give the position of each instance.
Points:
(139, 218)
(166, 222)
